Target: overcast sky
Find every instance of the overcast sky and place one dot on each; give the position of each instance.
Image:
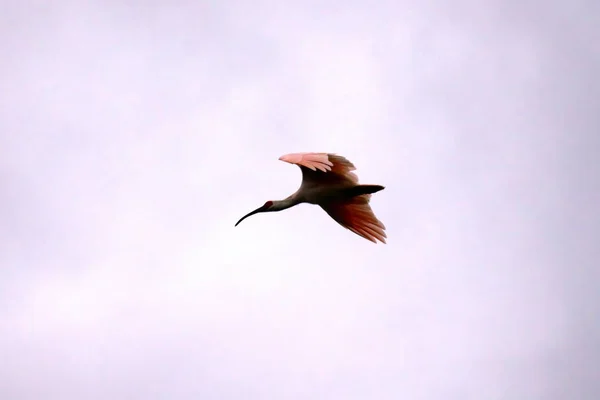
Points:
(134, 134)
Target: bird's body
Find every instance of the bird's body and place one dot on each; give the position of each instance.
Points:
(316, 194)
(328, 181)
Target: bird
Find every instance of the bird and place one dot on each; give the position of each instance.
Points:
(328, 181)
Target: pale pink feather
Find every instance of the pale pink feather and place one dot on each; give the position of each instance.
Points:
(337, 167)
(313, 161)
(356, 215)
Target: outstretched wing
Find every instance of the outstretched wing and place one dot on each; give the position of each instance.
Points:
(356, 215)
(323, 167)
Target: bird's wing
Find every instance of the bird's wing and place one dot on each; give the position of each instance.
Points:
(323, 167)
(356, 215)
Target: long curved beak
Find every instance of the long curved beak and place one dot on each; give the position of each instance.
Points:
(259, 209)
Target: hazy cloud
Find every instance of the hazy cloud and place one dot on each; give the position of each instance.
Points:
(134, 135)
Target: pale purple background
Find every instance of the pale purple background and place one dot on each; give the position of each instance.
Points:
(133, 135)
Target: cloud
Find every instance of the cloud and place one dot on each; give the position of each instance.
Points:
(134, 136)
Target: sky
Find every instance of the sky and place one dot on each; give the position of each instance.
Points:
(133, 135)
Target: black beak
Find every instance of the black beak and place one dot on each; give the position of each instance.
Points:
(259, 209)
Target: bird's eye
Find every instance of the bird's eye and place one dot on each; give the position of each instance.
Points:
(268, 204)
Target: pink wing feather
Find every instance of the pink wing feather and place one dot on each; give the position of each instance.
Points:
(356, 215)
(313, 161)
(323, 167)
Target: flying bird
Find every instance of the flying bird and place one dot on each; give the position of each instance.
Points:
(328, 181)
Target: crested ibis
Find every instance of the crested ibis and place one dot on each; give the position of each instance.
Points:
(328, 181)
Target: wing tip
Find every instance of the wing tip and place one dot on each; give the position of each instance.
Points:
(313, 161)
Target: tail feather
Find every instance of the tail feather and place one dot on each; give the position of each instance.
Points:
(363, 189)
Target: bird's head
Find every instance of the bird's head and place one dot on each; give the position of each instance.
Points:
(268, 206)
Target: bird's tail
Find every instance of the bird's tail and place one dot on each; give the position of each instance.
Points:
(363, 189)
